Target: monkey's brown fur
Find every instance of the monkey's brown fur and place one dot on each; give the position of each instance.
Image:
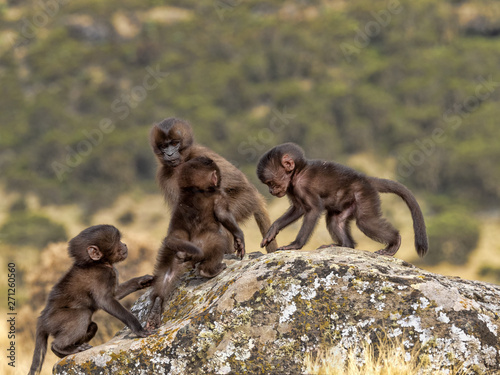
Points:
(90, 284)
(195, 233)
(314, 186)
(173, 144)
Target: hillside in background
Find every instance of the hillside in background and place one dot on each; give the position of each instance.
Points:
(81, 83)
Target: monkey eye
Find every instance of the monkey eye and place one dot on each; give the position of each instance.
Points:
(174, 143)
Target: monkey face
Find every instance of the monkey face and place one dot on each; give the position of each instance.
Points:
(170, 139)
(170, 150)
(278, 186)
(276, 177)
(276, 170)
(121, 252)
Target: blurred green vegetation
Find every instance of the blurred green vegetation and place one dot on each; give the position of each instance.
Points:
(82, 82)
(30, 229)
(491, 272)
(453, 235)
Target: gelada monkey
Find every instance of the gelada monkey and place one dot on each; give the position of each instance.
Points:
(173, 144)
(90, 284)
(195, 234)
(314, 186)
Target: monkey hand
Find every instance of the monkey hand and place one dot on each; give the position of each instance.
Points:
(145, 281)
(270, 235)
(239, 246)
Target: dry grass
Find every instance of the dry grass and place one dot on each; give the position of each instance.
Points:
(391, 358)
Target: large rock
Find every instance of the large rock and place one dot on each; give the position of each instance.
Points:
(263, 314)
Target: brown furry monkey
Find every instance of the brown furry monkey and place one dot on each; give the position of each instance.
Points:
(90, 284)
(173, 144)
(314, 186)
(196, 233)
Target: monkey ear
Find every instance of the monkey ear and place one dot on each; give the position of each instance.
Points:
(213, 178)
(287, 163)
(94, 252)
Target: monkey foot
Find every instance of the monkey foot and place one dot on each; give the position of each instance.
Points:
(84, 347)
(387, 252)
(72, 349)
(288, 247)
(153, 322)
(154, 318)
(325, 246)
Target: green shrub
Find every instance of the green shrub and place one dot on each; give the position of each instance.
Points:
(491, 272)
(453, 235)
(28, 229)
(18, 206)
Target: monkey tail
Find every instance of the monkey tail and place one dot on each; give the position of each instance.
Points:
(263, 222)
(40, 350)
(389, 186)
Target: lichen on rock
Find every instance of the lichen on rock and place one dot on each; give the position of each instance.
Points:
(264, 313)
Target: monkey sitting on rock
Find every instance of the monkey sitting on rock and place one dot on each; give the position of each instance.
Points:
(315, 186)
(90, 284)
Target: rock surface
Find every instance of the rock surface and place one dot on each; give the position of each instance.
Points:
(264, 313)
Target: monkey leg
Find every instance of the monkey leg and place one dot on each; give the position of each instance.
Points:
(339, 227)
(166, 277)
(65, 345)
(155, 313)
(380, 230)
(392, 248)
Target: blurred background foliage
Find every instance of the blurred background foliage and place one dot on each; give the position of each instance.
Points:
(81, 83)
(353, 76)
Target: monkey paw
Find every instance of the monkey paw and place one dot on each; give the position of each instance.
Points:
(239, 246)
(292, 246)
(143, 333)
(145, 281)
(154, 317)
(269, 237)
(154, 321)
(83, 347)
(386, 252)
(267, 240)
(327, 246)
